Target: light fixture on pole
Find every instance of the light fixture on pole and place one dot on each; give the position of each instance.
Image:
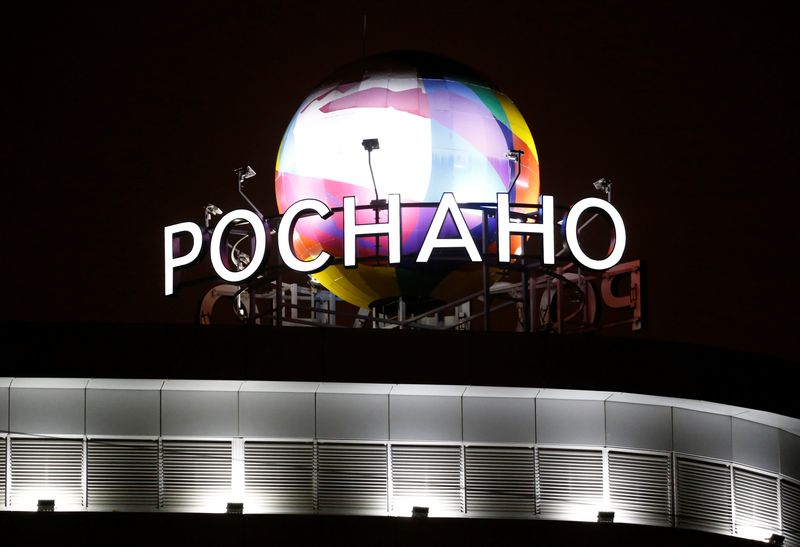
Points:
(603, 185)
(377, 204)
(245, 173)
(516, 157)
(242, 174)
(370, 145)
(211, 210)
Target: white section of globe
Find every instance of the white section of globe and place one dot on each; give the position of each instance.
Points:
(473, 184)
(469, 184)
(328, 145)
(392, 82)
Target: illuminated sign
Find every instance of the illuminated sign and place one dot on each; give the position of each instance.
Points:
(403, 175)
(508, 224)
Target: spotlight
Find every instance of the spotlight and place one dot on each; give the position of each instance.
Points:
(776, 539)
(603, 185)
(46, 506)
(234, 508)
(605, 516)
(244, 173)
(419, 512)
(370, 144)
(516, 157)
(211, 210)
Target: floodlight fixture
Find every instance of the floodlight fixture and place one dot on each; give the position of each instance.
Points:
(211, 210)
(605, 516)
(46, 506)
(419, 512)
(234, 508)
(516, 157)
(603, 185)
(370, 145)
(242, 174)
(775, 539)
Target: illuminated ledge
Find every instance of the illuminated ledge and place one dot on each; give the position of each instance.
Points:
(398, 412)
(474, 451)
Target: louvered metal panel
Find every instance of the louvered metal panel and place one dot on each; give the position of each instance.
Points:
(279, 476)
(500, 480)
(2, 472)
(428, 476)
(755, 502)
(196, 474)
(352, 477)
(47, 469)
(122, 473)
(790, 512)
(570, 483)
(640, 488)
(704, 496)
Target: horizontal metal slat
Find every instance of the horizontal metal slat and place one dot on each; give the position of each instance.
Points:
(47, 469)
(279, 476)
(196, 474)
(2, 472)
(122, 473)
(755, 499)
(570, 482)
(500, 480)
(704, 496)
(352, 477)
(429, 476)
(640, 488)
(790, 512)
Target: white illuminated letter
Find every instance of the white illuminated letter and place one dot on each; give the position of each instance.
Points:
(258, 254)
(432, 240)
(286, 229)
(170, 260)
(505, 228)
(391, 228)
(617, 243)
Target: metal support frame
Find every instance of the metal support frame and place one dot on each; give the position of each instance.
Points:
(300, 305)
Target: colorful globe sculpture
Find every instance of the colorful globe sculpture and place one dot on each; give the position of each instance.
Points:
(440, 128)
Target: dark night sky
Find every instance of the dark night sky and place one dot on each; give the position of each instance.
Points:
(120, 120)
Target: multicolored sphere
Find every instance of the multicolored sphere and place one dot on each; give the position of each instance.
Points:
(440, 128)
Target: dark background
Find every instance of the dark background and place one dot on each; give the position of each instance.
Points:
(122, 119)
(98, 528)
